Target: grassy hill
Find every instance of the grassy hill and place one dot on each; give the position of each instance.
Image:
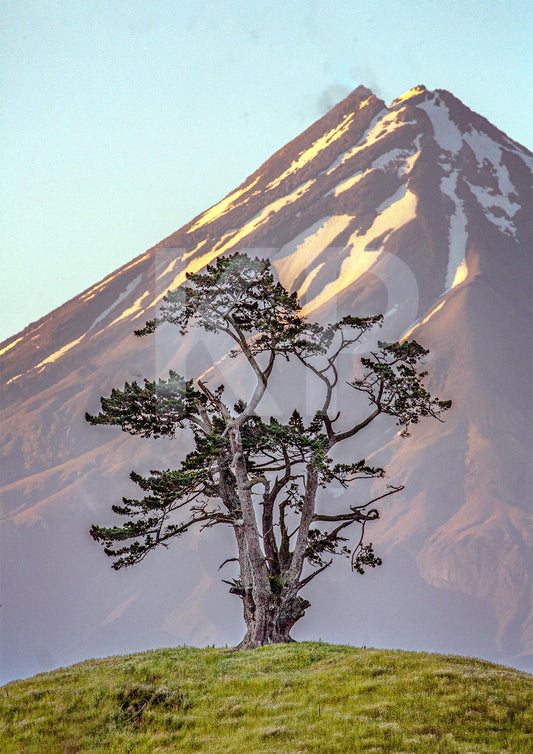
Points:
(305, 697)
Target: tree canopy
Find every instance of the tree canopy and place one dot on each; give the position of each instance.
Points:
(258, 475)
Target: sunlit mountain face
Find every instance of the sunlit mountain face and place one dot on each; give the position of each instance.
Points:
(420, 210)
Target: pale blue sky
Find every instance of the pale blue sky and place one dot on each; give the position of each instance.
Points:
(123, 120)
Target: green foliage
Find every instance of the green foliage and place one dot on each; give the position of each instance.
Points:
(240, 293)
(394, 382)
(154, 410)
(320, 543)
(365, 557)
(189, 488)
(307, 697)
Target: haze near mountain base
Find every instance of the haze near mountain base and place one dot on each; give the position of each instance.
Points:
(420, 210)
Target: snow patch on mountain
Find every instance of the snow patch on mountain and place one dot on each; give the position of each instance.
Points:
(386, 158)
(457, 234)
(396, 198)
(302, 290)
(393, 213)
(460, 274)
(366, 139)
(290, 266)
(356, 264)
(91, 293)
(447, 135)
(229, 202)
(348, 183)
(489, 155)
(129, 289)
(264, 214)
(57, 354)
(287, 249)
(309, 154)
(524, 154)
(423, 321)
(16, 377)
(10, 345)
(405, 157)
(384, 126)
(171, 266)
(409, 163)
(489, 201)
(486, 150)
(192, 252)
(414, 92)
(135, 310)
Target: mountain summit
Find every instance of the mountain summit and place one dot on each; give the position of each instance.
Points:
(420, 210)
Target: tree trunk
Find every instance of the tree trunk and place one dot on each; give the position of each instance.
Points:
(271, 606)
(271, 622)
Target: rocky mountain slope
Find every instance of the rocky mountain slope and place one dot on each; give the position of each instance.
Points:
(420, 210)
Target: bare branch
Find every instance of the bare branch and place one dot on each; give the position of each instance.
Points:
(357, 428)
(256, 480)
(228, 560)
(314, 574)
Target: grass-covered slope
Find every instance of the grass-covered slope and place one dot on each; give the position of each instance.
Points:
(285, 698)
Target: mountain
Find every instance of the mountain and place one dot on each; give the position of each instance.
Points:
(420, 210)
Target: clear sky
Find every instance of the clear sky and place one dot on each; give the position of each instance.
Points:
(121, 120)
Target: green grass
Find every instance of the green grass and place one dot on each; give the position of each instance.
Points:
(293, 698)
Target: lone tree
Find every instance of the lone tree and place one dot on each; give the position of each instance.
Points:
(260, 477)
